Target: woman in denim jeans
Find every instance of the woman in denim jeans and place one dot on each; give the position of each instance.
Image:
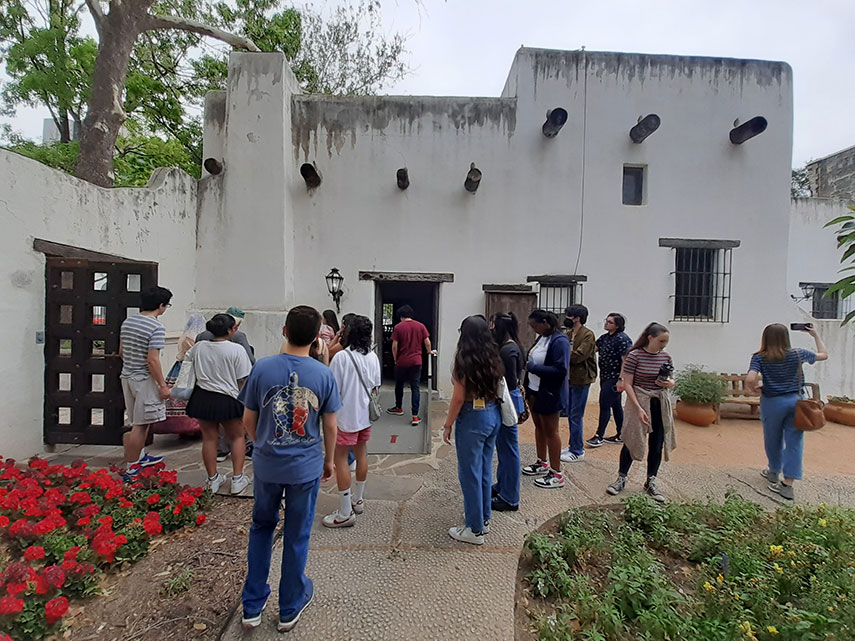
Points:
(780, 367)
(474, 411)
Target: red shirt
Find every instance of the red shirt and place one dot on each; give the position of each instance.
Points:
(410, 336)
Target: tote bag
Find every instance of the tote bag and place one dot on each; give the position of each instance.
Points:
(374, 409)
(186, 381)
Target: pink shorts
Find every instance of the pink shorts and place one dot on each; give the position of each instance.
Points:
(352, 438)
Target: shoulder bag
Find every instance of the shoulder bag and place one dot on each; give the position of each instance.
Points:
(186, 381)
(509, 412)
(809, 416)
(374, 409)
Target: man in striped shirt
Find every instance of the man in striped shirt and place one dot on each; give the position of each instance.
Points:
(141, 338)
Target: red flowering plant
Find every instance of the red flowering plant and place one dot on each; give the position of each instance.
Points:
(62, 525)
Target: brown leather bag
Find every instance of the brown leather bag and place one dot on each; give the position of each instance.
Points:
(809, 415)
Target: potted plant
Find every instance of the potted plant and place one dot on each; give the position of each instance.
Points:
(840, 409)
(700, 393)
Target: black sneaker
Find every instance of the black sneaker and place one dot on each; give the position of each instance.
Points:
(395, 411)
(614, 440)
(594, 441)
(501, 505)
(539, 468)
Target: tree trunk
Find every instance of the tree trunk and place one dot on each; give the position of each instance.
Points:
(119, 30)
(63, 126)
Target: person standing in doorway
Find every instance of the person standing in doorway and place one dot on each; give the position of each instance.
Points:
(649, 417)
(611, 348)
(221, 367)
(583, 372)
(546, 391)
(286, 400)
(141, 337)
(780, 367)
(356, 370)
(506, 489)
(408, 337)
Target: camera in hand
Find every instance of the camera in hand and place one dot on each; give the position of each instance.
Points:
(800, 327)
(665, 371)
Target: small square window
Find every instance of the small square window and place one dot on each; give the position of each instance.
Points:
(65, 314)
(99, 315)
(633, 184)
(97, 383)
(66, 280)
(65, 347)
(99, 281)
(97, 349)
(64, 415)
(133, 284)
(131, 311)
(64, 382)
(96, 416)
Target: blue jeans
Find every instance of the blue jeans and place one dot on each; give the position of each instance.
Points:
(784, 443)
(578, 400)
(507, 484)
(475, 438)
(295, 588)
(413, 376)
(610, 402)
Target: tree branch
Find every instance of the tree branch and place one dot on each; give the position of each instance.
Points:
(155, 22)
(97, 14)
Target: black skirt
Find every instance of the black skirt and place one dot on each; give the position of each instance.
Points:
(213, 406)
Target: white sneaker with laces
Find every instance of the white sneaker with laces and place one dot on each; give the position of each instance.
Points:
(568, 457)
(215, 483)
(240, 483)
(466, 535)
(358, 506)
(337, 519)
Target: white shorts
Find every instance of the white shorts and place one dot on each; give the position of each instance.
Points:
(142, 402)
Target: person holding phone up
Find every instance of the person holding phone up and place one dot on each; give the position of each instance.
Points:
(646, 377)
(780, 367)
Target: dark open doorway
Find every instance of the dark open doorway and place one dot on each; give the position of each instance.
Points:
(390, 297)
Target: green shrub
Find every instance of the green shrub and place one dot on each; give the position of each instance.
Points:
(694, 385)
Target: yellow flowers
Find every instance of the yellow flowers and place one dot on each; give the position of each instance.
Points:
(823, 523)
(720, 578)
(771, 629)
(776, 550)
(777, 568)
(746, 629)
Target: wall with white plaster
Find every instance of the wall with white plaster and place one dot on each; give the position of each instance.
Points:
(156, 223)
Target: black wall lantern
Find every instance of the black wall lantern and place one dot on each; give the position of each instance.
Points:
(403, 178)
(473, 179)
(644, 128)
(555, 119)
(310, 174)
(747, 130)
(212, 166)
(334, 280)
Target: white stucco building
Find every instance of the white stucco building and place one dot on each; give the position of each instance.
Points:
(683, 227)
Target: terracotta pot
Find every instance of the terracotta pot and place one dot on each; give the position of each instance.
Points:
(837, 412)
(700, 414)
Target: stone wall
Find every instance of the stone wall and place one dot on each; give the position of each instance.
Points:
(833, 176)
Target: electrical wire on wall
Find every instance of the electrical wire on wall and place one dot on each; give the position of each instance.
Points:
(584, 152)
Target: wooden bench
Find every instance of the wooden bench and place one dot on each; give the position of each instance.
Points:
(737, 394)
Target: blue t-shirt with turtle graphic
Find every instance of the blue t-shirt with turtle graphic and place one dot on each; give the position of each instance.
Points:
(289, 393)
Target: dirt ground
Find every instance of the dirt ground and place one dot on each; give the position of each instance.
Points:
(134, 605)
(736, 442)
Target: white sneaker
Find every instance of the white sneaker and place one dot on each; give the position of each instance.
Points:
(568, 457)
(336, 519)
(486, 529)
(215, 483)
(254, 621)
(466, 535)
(240, 483)
(352, 466)
(358, 506)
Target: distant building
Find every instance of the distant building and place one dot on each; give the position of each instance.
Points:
(50, 132)
(833, 176)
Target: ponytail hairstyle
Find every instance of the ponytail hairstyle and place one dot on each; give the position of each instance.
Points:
(651, 331)
(477, 363)
(543, 316)
(506, 326)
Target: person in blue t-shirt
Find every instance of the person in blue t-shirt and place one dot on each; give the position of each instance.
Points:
(286, 399)
(780, 367)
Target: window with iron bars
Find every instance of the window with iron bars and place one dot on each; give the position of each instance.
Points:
(828, 307)
(702, 279)
(555, 297)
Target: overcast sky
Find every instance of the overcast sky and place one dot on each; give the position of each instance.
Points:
(465, 47)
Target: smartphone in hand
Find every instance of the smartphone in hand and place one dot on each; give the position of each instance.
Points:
(801, 327)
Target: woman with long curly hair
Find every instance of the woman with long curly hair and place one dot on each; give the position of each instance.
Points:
(474, 411)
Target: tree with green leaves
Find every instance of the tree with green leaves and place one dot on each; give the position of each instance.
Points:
(845, 287)
(48, 61)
